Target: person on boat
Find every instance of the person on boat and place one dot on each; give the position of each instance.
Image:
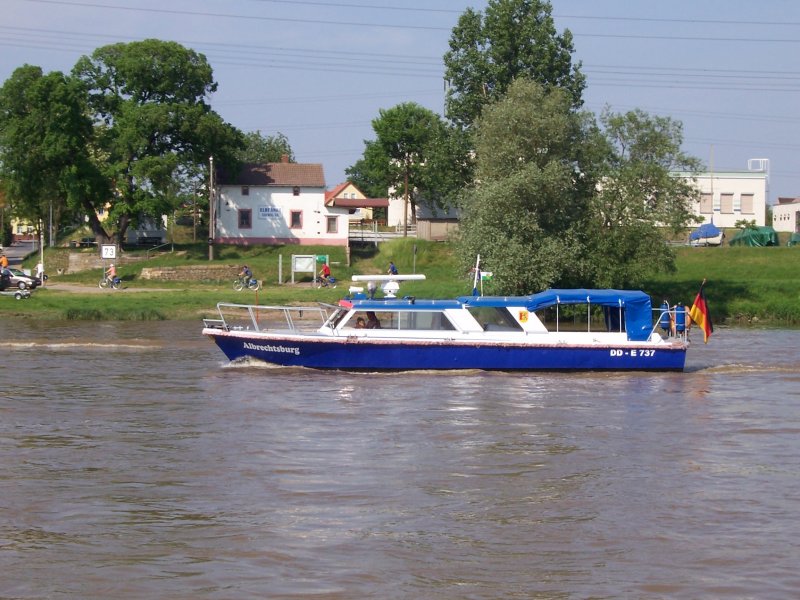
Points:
(392, 269)
(361, 323)
(246, 274)
(372, 287)
(325, 274)
(372, 321)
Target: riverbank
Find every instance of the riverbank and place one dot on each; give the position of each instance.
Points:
(745, 286)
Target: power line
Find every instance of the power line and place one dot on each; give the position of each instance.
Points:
(703, 38)
(185, 13)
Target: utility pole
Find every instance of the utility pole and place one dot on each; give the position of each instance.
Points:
(405, 198)
(211, 195)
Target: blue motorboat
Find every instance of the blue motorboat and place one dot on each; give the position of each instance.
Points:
(557, 329)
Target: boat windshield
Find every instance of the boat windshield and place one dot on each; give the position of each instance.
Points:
(495, 318)
(336, 317)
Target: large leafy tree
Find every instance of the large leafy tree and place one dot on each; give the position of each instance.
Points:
(259, 148)
(399, 158)
(562, 201)
(153, 126)
(639, 198)
(512, 39)
(45, 158)
(524, 216)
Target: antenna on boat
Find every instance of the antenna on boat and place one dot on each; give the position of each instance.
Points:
(477, 276)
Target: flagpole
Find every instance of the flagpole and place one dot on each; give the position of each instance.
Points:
(477, 274)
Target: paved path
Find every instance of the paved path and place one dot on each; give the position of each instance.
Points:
(86, 288)
(17, 252)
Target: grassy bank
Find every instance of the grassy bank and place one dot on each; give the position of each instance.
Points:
(745, 286)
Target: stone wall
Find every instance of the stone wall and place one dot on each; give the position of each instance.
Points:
(191, 273)
(78, 261)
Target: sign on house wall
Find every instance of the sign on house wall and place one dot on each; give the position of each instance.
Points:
(269, 212)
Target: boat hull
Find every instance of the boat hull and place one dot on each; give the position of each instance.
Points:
(360, 354)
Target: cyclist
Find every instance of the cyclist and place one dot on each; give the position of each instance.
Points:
(246, 275)
(111, 273)
(325, 275)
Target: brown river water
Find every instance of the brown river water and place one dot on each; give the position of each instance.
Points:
(136, 463)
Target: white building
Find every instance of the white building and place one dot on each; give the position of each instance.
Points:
(786, 215)
(730, 196)
(277, 203)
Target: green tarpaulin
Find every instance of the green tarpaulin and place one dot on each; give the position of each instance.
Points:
(794, 240)
(759, 236)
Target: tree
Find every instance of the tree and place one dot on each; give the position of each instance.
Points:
(44, 145)
(263, 149)
(398, 158)
(524, 215)
(152, 126)
(513, 39)
(562, 202)
(638, 199)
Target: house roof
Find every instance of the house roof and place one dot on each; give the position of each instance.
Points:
(784, 200)
(276, 174)
(332, 198)
(359, 202)
(337, 190)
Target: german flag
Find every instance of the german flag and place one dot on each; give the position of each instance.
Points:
(699, 313)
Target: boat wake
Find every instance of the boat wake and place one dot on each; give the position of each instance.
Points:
(744, 369)
(69, 346)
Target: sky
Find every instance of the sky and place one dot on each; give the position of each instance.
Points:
(320, 71)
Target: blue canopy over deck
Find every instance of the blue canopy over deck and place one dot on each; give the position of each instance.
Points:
(638, 309)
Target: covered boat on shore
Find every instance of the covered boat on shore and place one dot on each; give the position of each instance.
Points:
(707, 234)
(568, 329)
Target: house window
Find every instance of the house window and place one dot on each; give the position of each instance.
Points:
(333, 225)
(245, 218)
(296, 190)
(245, 190)
(726, 204)
(706, 205)
(296, 219)
(747, 204)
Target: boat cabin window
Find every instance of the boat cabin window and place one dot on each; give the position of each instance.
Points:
(412, 320)
(582, 317)
(495, 318)
(427, 321)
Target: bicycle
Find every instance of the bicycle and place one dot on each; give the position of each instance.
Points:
(113, 283)
(252, 284)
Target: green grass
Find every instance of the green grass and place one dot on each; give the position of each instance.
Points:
(744, 285)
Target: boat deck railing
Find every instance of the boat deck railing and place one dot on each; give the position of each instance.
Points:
(673, 330)
(252, 317)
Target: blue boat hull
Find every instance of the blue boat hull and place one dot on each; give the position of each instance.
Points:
(376, 355)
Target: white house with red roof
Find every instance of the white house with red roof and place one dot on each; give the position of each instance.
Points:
(359, 207)
(278, 203)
